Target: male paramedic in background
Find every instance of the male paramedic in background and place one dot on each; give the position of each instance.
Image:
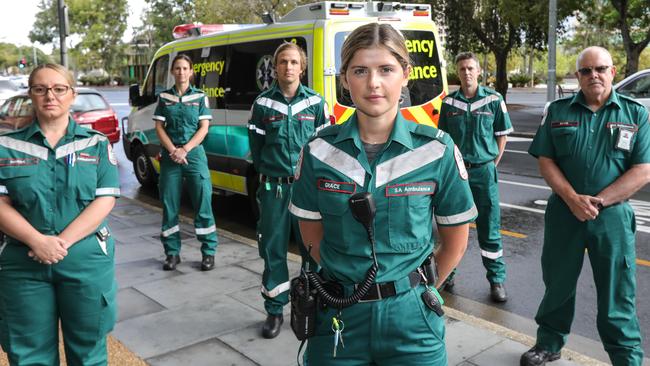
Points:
(282, 120)
(477, 120)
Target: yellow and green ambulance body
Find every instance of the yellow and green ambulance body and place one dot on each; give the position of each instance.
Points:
(233, 65)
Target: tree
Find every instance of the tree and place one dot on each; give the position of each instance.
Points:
(498, 26)
(161, 17)
(633, 21)
(99, 24)
(244, 11)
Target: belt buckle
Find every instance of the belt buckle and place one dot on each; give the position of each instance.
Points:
(377, 288)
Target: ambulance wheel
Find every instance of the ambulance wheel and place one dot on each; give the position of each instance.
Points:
(252, 183)
(143, 169)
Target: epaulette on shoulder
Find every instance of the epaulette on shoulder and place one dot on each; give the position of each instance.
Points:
(630, 99)
(429, 131)
(329, 131)
(15, 132)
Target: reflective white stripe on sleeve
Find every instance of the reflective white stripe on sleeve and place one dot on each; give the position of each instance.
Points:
(257, 130)
(107, 192)
(277, 290)
(205, 116)
(3, 190)
(205, 230)
(502, 133)
(79, 145)
(409, 162)
(24, 147)
(159, 118)
(171, 230)
(492, 255)
(310, 215)
(504, 109)
(459, 218)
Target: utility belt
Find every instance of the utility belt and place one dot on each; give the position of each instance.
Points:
(310, 293)
(469, 165)
(278, 180)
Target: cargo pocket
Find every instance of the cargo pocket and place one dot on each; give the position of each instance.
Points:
(563, 140)
(109, 311)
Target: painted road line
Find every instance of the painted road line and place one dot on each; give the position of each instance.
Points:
(519, 139)
(525, 184)
(516, 151)
(119, 104)
(523, 208)
(643, 262)
(505, 232)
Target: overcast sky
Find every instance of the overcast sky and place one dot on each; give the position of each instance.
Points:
(16, 21)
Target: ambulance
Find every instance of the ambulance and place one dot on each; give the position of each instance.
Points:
(233, 64)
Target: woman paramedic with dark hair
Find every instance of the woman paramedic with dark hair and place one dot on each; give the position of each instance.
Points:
(410, 170)
(58, 183)
(182, 120)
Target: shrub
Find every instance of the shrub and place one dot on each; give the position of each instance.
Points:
(519, 80)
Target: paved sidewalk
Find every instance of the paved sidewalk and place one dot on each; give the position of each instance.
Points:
(189, 317)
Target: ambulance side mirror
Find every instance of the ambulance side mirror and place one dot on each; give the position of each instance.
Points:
(134, 96)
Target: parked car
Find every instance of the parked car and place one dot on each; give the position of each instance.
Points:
(90, 110)
(7, 90)
(636, 86)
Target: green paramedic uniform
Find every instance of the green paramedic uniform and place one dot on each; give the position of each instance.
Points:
(419, 170)
(278, 129)
(50, 187)
(180, 116)
(474, 124)
(592, 150)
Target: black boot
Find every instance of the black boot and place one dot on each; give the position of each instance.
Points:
(272, 326)
(170, 262)
(207, 264)
(498, 292)
(538, 357)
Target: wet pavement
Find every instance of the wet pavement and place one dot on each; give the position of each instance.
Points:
(205, 318)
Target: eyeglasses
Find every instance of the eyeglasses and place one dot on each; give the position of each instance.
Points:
(586, 71)
(57, 89)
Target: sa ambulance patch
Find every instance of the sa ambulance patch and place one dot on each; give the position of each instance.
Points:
(460, 163)
(111, 155)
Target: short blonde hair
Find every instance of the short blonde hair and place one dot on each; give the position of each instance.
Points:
(56, 67)
(291, 46)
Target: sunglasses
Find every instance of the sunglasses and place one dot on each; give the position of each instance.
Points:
(586, 71)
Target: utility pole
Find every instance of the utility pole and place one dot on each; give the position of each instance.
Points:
(552, 36)
(34, 55)
(63, 31)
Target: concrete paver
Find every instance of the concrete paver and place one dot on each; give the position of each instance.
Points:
(189, 317)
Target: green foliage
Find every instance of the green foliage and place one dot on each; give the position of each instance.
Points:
(452, 77)
(243, 11)
(10, 55)
(519, 80)
(98, 23)
(91, 80)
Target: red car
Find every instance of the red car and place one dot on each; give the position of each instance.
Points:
(90, 110)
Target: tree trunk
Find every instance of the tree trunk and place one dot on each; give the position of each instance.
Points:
(531, 70)
(501, 85)
(632, 62)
